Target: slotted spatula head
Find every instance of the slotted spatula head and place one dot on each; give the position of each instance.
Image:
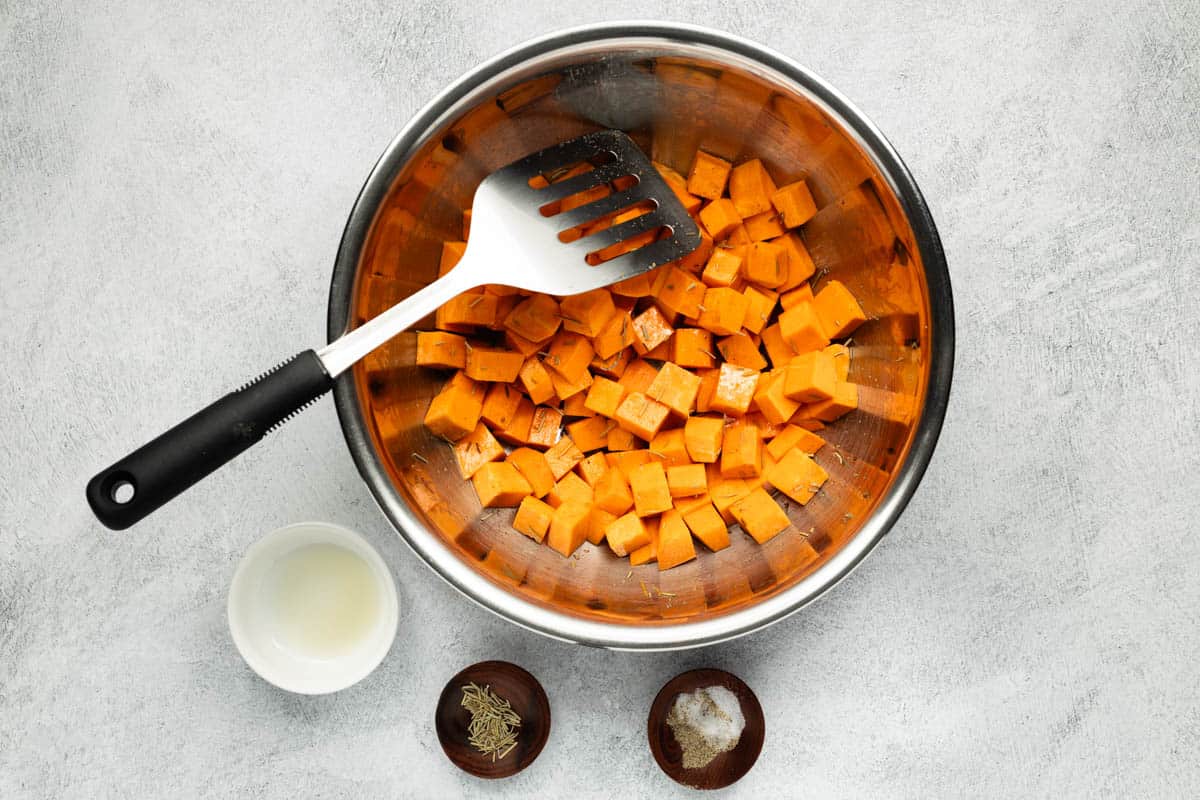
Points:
(518, 223)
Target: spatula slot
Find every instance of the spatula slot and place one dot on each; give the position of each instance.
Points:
(558, 174)
(624, 212)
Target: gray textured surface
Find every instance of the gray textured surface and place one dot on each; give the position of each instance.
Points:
(173, 184)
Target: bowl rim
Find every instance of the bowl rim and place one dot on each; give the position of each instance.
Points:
(669, 636)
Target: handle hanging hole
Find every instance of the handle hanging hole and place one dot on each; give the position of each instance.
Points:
(122, 492)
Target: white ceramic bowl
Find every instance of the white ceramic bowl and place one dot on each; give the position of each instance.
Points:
(256, 628)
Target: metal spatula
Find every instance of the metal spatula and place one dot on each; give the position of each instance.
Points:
(518, 238)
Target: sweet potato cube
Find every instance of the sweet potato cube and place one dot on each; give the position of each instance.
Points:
(500, 405)
(598, 522)
(680, 293)
(675, 544)
(533, 518)
(741, 451)
(779, 350)
(637, 286)
(604, 396)
(647, 552)
(760, 516)
(801, 294)
(800, 266)
(566, 389)
(720, 219)
(702, 437)
(766, 428)
(612, 492)
(570, 355)
(837, 310)
(493, 364)
(466, 310)
(687, 480)
(708, 175)
(629, 460)
(454, 411)
(576, 404)
(525, 347)
(675, 388)
(505, 303)
(678, 185)
(517, 431)
(587, 313)
(669, 448)
(794, 203)
(500, 485)
(625, 533)
(621, 440)
(844, 400)
(536, 317)
(841, 360)
(570, 488)
(569, 527)
(651, 495)
(641, 415)
(536, 380)
(760, 304)
(725, 493)
(793, 437)
(441, 350)
(739, 236)
(797, 476)
(692, 348)
(685, 504)
(723, 310)
(694, 261)
(534, 467)
(650, 329)
(767, 225)
(544, 428)
(750, 188)
(562, 456)
(660, 353)
(592, 468)
(476, 449)
(452, 253)
(707, 526)
(615, 335)
(770, 399)
(638, 376)
(614, 366)
(741, 351)
(802, 329)
(764, 265)
(591, 433)
(708, 387)
(810, 377)
(723, 267)
(734, 391)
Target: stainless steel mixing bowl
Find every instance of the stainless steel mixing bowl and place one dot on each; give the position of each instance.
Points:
(674, 88)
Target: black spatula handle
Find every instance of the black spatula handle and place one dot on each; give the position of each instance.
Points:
(165, 467)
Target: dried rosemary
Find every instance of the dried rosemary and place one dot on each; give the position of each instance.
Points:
(494, 725)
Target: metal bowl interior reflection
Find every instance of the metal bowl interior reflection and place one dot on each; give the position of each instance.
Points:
(674, 89)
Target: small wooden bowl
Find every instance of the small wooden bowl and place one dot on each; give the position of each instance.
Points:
(726, 768)
(528, 699)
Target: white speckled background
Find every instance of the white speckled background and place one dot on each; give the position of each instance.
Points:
(173, 184)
